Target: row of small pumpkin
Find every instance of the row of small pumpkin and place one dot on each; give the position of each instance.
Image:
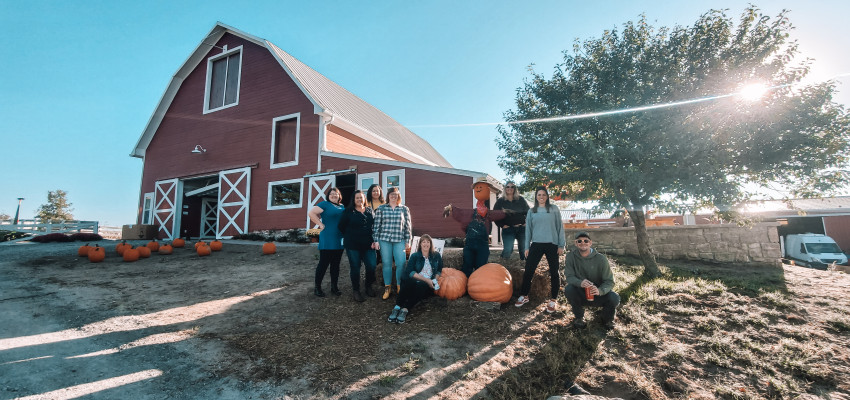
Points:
(131, 253)
(491, 282)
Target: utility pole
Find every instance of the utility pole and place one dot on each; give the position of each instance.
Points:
(18, 211)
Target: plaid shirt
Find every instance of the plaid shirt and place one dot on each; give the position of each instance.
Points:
(392, 224)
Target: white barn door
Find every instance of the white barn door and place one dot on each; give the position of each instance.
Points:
(234, 193)
(316, 193)
(167, 196)
(209, 218)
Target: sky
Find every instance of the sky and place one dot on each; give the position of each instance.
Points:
(82, 78)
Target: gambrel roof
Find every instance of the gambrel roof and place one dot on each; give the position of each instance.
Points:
(329, 99)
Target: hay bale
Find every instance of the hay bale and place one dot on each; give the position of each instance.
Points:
(540, 283)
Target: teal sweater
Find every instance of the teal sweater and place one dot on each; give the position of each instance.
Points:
(544, 227)
(594, 268)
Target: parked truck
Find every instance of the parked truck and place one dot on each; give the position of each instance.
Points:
(813, 250)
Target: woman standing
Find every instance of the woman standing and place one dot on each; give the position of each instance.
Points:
(513, 226)
(392, 234)
(419, 279)
(326, 215)
(374, 197)
(356, 227)
(545, 231)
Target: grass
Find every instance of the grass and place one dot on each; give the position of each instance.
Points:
(701, 331)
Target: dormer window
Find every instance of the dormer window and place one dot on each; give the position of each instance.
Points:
(223, 73)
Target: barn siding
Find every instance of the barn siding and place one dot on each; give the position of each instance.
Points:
(237, 136)
(838, 228)
(339, 140)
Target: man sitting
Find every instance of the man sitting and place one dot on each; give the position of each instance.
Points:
(589, 282)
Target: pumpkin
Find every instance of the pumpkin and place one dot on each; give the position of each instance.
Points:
(130, 254)
(153, 245)
(119, 248)
(491, 282)
(203, 250)
(452, 284)
(216, 245)
(165, 249)
(178, 243)
(96, 254)
(144, 251)
(200, 243)
(83, 251)
(269, 248)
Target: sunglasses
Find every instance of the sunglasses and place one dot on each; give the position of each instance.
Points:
(582, 240)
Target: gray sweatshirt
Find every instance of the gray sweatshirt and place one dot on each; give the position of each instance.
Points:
(543, 227)
(594, 268)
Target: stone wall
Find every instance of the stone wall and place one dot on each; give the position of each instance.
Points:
(714, 243)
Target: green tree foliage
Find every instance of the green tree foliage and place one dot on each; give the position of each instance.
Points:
(57, 209)
(706, 153)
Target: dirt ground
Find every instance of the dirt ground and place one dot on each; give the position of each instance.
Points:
(235, 325)
(240, 325)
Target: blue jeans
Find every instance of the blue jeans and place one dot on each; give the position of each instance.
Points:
(369, 259)
(392, 251)
(508, 236)
(475, 254)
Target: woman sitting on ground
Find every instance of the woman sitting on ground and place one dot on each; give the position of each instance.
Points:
(419, 279)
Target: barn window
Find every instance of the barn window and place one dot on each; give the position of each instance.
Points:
(285, 136)
(285, 194)
(223, 73)
(147, 209)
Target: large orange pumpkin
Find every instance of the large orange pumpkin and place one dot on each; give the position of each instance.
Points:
(269, 248)
(130, 254)
(144, 251)
(153, 245)
(96, 254)
(452, 284)
(203, 250)
(200, 243)
(491, 282)
(83, 251)
(178, 243)
(165, 249)
(216, 245)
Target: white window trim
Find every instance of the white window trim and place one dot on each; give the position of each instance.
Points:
(297, 117)
(300, 195)
(226, 53)
(375, 176)
(401, 187)
(149, 221)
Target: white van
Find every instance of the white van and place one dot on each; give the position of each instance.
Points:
(813, 250)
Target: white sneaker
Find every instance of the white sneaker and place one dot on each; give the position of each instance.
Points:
(521, 301)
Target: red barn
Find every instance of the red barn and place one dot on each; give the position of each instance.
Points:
(248, 138)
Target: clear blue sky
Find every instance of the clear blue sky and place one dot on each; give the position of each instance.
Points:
(81, 78)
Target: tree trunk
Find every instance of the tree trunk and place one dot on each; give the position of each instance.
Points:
(646, 255)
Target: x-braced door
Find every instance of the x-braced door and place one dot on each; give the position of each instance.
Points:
(318, 186)
(209, 217)
(233, 195)
(167, 196)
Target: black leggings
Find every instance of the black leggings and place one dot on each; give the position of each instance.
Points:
(328, 258)
(412, 291)
(535, 254)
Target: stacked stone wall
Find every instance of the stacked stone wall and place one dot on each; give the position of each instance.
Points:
(758, 244)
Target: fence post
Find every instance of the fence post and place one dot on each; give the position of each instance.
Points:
(94, 228)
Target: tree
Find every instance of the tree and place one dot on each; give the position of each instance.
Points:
(712, 152)
(57, 209)
(4, 216)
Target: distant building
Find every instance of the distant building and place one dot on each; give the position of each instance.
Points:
(829, 216)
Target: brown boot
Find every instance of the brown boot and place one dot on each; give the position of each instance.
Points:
(398, 288)
(387, 291)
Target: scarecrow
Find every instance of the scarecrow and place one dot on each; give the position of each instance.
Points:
(476, 224)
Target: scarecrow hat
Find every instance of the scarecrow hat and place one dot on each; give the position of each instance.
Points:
(483, 179)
